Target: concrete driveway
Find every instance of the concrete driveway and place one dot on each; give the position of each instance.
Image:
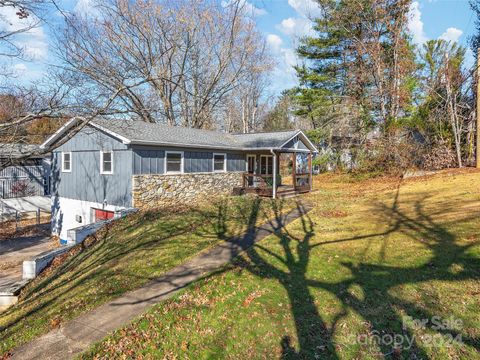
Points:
(8, 207)
(14, 251)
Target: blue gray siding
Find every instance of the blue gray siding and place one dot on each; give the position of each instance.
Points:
(152, 160)
(198, 161)
(85, 182)
(148, 161)
(236, 162)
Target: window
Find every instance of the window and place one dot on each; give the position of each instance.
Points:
(266, 165)
(219, 163)
(106, 162)
(173, 162)
(66, 162)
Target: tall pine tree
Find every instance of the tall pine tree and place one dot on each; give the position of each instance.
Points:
(360, 62)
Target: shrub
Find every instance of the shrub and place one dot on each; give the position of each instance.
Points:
(21, 188)
(439, 157)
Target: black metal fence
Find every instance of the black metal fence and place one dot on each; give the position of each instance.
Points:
(21, 181)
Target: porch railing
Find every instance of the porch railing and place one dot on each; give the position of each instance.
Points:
(257, 181)
(302, 182)
(264, 183)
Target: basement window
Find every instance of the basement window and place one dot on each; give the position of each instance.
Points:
(106, 162)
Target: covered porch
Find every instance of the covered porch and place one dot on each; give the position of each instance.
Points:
(279, 173)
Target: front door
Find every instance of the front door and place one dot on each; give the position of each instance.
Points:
(101, 215)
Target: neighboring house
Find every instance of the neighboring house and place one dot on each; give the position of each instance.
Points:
(31, 177)
(113, 165)
(343, 150)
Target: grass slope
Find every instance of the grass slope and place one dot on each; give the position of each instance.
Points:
(122, 257)
(370, 254)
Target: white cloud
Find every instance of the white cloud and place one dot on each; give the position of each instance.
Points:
(84, 7)
(249, 8)
(33, 40)
(20, 68)
(275, 42)
(305, 8)
(35, 43)
(415, 24)
(451, 34)
(284, 73)
(296, 27)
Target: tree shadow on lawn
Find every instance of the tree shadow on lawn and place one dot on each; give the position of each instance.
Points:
(94, 259)
(383, 312)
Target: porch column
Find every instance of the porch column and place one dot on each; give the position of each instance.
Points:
(294, 169)
(310, 170)
(274, 183)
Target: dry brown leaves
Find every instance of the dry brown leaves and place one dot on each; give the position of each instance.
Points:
(333, 214)
(252, 296)
(6, 356)
(26, 227)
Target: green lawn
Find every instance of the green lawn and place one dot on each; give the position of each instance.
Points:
(122, 257)
(371, 254)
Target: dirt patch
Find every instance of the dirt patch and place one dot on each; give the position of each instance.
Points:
(9, 265)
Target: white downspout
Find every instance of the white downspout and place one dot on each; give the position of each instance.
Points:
(274, 184)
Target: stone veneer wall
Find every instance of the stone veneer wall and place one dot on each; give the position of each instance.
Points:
(151, 191)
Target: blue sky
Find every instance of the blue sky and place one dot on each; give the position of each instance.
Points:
(282, 22)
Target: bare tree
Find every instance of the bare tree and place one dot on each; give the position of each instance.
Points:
(245, 106)
(189, 54)
(158, 60)
(29, 12)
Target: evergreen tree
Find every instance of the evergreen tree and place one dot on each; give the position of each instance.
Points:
(475, 39)
(361, 59)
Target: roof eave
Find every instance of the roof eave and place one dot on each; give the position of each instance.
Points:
(60, 132)
(213, 147)
(313, 148)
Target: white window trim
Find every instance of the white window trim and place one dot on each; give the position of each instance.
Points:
(255, 163)
(224, 162)
(181, 163)
(63, 161)
(101, 163)
(266, 167)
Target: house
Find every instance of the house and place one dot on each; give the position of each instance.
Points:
(112, 165)
(29, 177)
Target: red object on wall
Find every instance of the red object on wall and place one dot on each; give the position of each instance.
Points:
(103, 215)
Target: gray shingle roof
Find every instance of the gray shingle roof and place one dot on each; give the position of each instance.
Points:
(13, 150)
(159, 134)
(264, 140)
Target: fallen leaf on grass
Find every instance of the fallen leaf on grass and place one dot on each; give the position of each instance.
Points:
(252, 296)
(55, 323)
(333, 214)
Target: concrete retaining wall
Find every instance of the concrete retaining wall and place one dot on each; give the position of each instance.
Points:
(33, 267)
(151, 191)
(80, 233)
